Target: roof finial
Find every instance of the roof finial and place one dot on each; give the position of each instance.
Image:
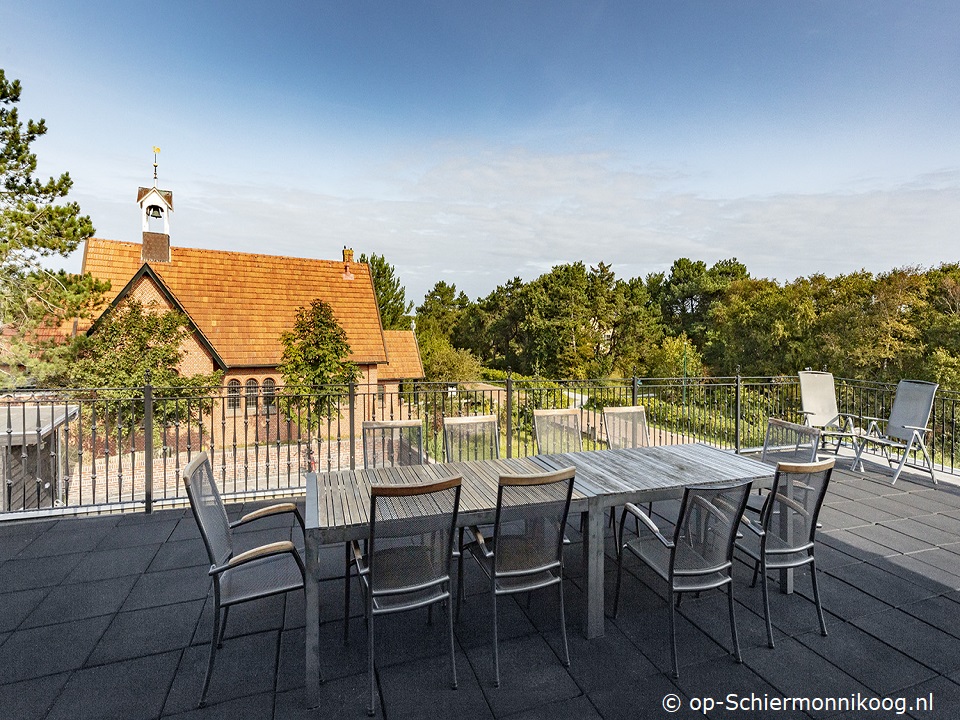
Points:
(156, 151)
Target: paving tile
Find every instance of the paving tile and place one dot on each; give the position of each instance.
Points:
(896, 541)
(939, 697)
(629, 700)
(880, 667)
(105, 564)
(244, 666)
(344, 697)
(421, 688)
(881, 584)
(16, 606)
(146, 632)
(130, 535)
(71, 535)
(255, 707)
(925, 643)
(848, 542)
(77, 601)
(530, 672)
(128, 690)
(31, 699)
(941, 612)
(179, 554)
(49, 649)
(574, 709)
(168, 586)
(29, 573)
(912, 570)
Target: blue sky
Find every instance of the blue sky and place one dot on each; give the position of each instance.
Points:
(474, 141)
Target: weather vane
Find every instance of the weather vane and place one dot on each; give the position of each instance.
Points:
(156, 151)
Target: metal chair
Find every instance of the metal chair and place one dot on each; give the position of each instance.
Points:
(557, 431)
(700, 555)
(475, 437)
(789, 442)
(906, 428)
(784, 538)
(526, 550)
(387, 443)
(257, 573)
(818, 399)
(626, 427)
(406, 560)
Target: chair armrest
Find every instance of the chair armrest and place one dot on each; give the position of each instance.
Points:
(277, 509)
(752, 526)
(277, 548)
(645, 519)
(362, 567)
(918, 429)
(793, 504)
(479, 541)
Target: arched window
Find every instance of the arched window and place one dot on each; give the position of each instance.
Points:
(269, 394)
(253, 391)
(233, 395)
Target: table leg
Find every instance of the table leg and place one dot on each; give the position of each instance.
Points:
(312, 618)
(593, 566)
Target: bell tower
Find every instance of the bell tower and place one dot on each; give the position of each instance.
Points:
(155, 208)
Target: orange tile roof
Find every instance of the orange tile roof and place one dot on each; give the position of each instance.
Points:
(241, 302)
(404, 357)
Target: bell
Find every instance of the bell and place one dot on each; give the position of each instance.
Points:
(154, 211)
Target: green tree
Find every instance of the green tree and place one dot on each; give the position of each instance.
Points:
(314, 359)
(443, 362)
(34, 226)
(391, 295)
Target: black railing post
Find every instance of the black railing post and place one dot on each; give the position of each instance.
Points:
(353, 430)
(635, 390)
(509, 391)
(736, 421)
(147, 443)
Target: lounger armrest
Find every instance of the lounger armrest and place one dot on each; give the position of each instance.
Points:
(645, 519)
(278, 509)
(277, 548)
(922, 430)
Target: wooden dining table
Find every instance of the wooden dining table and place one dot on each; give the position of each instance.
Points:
(338, 506)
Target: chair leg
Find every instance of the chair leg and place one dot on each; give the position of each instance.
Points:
(816, 595)
(371, 708)
(223, 626)
(563, 624)
(214, 640)
(733, 622)
(673, 636)
(756, 571)
(616, 592)
(496, 655)
(766, 604)
(346, 594)
(453, 654)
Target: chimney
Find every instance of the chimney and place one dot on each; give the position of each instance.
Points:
(347, 259)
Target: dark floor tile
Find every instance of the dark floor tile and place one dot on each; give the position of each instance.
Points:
(73, 535)
(344, 697)
(857, 508)
(941, 612)
(244, 666)
(256, 707)
(147, 632)
(573, 709)
(881, 584)
(104, 564)
(891, 538)
(922, 642)
(880, 667)
(630, 700)
(31, 699)
(421, 688)
(936, 698)
(29, 573)
(847, 541)
(604, 661)
(77, 601)
(180, 554)
(130, 535)
(16, 606)
(49, 649)
(530, 672)
(168, 586)
(244, 619)
(834, 519)
(128, 690)
(187, 529)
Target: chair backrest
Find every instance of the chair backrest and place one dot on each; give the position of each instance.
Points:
(208, 510)
(557, 431)
(793, 505)
(626, 427)
(818, 397)
(912, 406)
(707, 527)
(532, 512)
(475, 437)
(789, 442)
(414, 526)
(387, 443)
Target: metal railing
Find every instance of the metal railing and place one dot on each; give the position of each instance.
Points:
(100, 450)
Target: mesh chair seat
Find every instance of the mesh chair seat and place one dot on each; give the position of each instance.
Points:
(514, 552)
(657, 556)
(260, 578)
(780, 553)
(402, 571)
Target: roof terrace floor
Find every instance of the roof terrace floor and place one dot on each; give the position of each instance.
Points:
(110, 617)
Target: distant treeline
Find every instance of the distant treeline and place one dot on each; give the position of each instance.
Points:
(580, 322)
